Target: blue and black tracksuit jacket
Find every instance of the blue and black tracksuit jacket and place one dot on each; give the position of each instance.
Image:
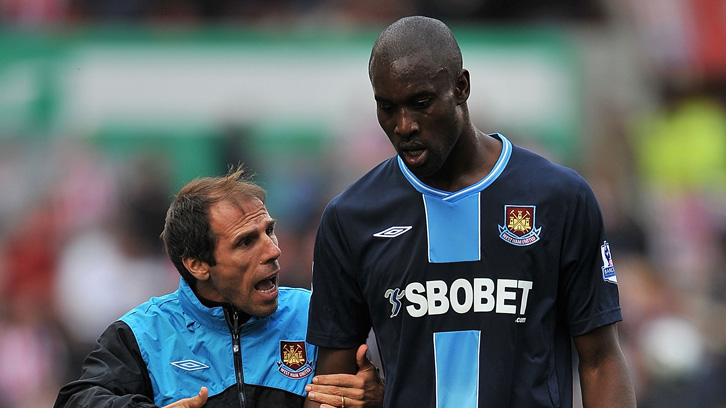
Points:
(169, 347)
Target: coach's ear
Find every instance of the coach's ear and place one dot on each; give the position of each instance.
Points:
(198, 269)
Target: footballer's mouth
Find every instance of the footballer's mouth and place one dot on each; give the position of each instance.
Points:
(412, 154)
(267, 285)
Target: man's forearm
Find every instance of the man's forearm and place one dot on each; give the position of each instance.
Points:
(333, 361)
(608, 385)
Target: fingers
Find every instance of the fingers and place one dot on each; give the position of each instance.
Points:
(330, 394)
(360, 356)
(348, 380)
(364, 364)
(337, 381)
(333, 400)
(194, 402)
(200, 399)
(360, 389)
(328, 389)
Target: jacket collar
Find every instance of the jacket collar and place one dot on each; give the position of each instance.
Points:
(206, 313)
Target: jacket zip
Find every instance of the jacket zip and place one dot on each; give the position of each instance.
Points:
(236, 328)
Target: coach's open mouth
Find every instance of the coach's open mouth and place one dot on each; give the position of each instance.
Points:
(267, 285)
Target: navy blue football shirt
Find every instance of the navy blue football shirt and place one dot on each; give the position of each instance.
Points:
(473, 295)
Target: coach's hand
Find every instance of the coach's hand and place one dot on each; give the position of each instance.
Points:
(364, 389)
(196, 401)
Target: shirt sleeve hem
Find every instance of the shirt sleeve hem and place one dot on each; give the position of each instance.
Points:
(322, 340)
(599, 320)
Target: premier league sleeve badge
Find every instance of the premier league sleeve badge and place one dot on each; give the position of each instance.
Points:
(608, 270)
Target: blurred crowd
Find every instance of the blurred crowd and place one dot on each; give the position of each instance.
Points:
(79, 232)
(256, 12)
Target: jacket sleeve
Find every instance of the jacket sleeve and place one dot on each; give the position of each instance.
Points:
(114, 374)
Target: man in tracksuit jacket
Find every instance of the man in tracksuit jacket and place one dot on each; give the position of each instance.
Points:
(228, 336)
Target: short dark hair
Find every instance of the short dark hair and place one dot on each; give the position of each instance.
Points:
(187, 231)
(417, 34)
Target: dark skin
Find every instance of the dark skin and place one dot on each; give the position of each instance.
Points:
(422, 108)
(359, 390)
(604, 377)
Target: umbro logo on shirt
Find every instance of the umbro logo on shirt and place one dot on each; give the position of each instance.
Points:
(392, 232)
(189, 365)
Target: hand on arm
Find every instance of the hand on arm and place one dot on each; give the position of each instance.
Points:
(604, 376)
(362, 389)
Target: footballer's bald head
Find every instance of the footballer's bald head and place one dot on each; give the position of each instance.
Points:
(420, 37)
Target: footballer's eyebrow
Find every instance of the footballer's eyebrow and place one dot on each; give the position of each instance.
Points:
(410, 97)
(420, 95)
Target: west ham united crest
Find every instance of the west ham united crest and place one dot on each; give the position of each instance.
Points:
(294, 360)
(519, 227)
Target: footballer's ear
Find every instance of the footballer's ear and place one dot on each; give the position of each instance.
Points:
(463, 86)
(198, 269)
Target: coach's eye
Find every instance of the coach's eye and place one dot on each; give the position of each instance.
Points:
(245, 241)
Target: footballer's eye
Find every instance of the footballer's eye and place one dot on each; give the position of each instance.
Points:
(385, 107)
(422, 103)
